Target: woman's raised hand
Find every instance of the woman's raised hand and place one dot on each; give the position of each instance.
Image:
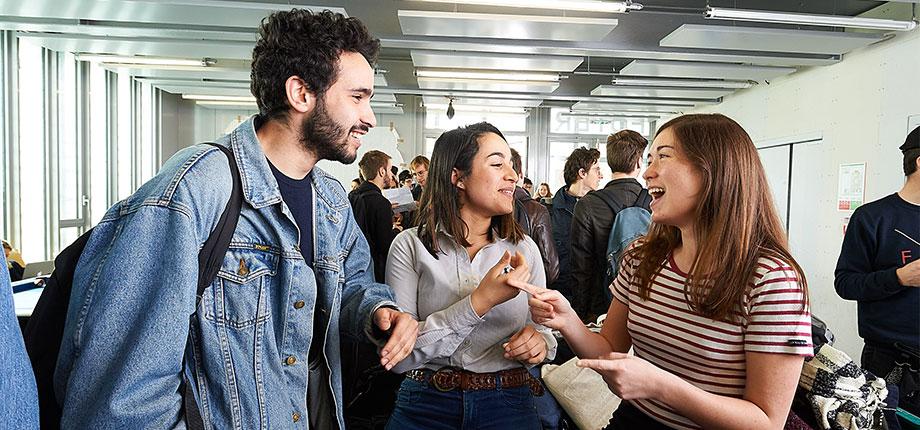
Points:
(548, 307)
(495, 289)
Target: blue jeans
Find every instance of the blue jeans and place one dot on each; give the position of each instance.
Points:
(421, 406)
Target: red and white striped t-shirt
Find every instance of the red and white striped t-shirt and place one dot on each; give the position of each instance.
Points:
(706, 353)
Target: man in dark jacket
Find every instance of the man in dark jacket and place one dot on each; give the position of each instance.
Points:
(593, 219)
(533, 217)
(581, 174)
(373, 212)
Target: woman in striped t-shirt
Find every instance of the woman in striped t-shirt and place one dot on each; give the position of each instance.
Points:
(710, 300)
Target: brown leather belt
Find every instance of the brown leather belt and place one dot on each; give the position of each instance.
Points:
(452, 378)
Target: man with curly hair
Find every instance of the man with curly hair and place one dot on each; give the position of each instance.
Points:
(260, 347)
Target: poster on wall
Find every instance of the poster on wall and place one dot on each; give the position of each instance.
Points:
(851, 188)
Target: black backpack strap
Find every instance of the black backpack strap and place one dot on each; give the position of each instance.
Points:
(210, 259)
(644, 199)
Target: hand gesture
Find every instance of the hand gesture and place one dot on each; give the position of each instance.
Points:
(548, 307)
(527, 346)
(628, 376)
(494, 288)
(403, 330)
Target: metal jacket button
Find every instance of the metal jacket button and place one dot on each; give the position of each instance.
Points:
(290, 360)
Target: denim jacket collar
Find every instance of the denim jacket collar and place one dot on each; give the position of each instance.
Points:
(260, 188)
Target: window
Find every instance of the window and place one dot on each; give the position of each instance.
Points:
(99, 148)
(124, 151)
(147, 147)
(69, 175)
(32, 151)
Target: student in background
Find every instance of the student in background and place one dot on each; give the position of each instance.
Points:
(452, 273)
(711, 301)
(543, 192)
(534, 220)
(582, 175)
(879, 268)
(16, 268)
(372, 211)
(527, 183)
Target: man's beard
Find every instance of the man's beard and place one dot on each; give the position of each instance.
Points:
(326, 138)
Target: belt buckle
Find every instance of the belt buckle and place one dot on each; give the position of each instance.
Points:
(443, 379)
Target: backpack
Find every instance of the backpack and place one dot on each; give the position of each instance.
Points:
(629, 224)
(45, 330)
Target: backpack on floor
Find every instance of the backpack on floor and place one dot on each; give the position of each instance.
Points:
(45, 329)
(629, 224)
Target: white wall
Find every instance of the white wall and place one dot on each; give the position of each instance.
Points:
(211, 124)
(861, 106)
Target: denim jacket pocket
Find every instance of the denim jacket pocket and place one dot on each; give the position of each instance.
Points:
(237, 296)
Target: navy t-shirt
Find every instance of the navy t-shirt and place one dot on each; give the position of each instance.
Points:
(298, 196)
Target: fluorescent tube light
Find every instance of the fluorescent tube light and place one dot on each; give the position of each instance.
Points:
(225, 103)
(477, 108)
(610, 115)
(682, 83)
(808, 19)
(150, 61)
(573, 5)
(207, 97)
(486, 74)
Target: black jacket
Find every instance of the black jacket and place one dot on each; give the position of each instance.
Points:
(374, 214)
(563, 208)
(534, 219)
(590, 230)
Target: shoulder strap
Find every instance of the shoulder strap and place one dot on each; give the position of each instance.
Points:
(209, 260)
(212, 253)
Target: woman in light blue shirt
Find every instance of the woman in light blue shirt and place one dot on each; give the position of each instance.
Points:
(476, 339)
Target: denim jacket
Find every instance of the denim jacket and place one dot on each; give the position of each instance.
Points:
(18, 395)
(121, 359)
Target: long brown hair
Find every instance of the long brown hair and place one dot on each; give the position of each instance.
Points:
(440, 201)
(736, 221)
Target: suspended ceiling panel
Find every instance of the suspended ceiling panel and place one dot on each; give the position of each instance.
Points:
(601, 107)
(121, 46)
(542, 47)
(217, 73)
(211, 91)
(384, 98)
(500, 26)
(435, 100)
(197, 13)
(694, 69)
(494, 61)
(675, 93)
(767, 39)
(486, 85)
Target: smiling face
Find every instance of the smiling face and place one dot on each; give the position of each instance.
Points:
(543, 191)
(488, 189)
(343, 114)
(674, 182)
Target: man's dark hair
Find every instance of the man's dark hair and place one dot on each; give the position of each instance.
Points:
(371, 163)
(581, 158)
(910, 161)
(624, 149)
(404, 175)
(528, 181)
(304, 44)
(516, 163)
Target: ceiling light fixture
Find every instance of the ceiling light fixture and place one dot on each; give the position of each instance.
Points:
(148, 61)
(808, 19)
(682, 83)
(475, 108)
(610, 115)
(208, 97)
(224, 103)
(572, 5)
(487, 74)
(450, 108)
